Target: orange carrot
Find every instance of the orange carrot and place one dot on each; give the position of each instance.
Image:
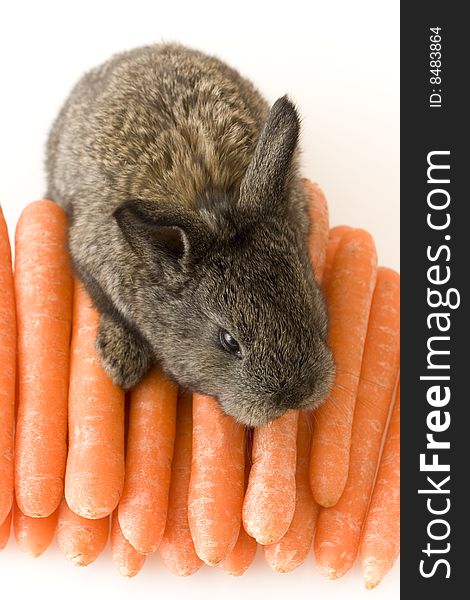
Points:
(5, 531)
(33, 534)
(319, 220)
(380, 543)
(177, 547)
(334, 237)
(270, 498)
(43, 287)
(7, 372)
(144, 502)
(291, 551)
(125, 556)
(241, 556)
(95, 465)
(81, 540)
(243, 553)
(349, 295)
(217, 480)
(339, 527)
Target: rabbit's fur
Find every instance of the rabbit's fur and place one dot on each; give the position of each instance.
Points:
(187, 214)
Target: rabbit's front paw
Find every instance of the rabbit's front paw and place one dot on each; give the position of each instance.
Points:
(125, 357)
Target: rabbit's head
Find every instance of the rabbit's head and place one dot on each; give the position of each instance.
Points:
(234, 311)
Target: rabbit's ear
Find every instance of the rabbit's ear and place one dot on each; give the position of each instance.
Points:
(160, 232)
(264, 184)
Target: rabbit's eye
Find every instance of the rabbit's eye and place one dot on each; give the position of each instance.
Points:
(229, 343)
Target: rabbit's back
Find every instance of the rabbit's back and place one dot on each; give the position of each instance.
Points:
(188, 223)
(160, 121)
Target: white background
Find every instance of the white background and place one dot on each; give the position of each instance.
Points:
(338, 60)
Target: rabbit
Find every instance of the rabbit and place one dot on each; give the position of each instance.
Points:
(188, 226)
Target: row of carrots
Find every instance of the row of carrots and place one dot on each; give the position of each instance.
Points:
(175, 473)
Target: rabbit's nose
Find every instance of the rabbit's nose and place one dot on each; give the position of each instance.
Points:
(298, 394)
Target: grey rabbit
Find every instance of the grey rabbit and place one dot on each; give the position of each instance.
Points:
(188, 225)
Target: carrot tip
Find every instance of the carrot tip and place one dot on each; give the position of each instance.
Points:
(80, 560)
(185, 572)
(233, 573)
(331, 564)
(326, 501)
(128, 573)
(85, 511)
(328, 572)
(265, 539)
(285, 566)
(34, 553)
(280, 568)
(181, 569)
(370, 585)
(372, 574)
(212, 561)
(144, 551)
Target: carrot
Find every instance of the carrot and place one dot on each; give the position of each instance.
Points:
(217, 480)
(349, 295)
(43, 287)
(5, 531)
(339, 527)
(125, 556)
(81, 540)
(269, 503)
(177, 547)
(318, 210)
(95, 465)
(33, 534)
(334, 237)
(241, 556)
(7, 373)
(243, 553)
(380, 543)
(291, 551)
(144, 502)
